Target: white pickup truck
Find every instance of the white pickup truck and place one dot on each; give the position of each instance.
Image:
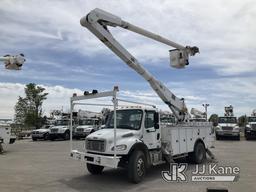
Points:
(42, 133)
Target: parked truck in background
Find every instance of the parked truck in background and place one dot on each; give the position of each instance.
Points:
(250, 128)
(86, 127)
(42, 133)
(60, 130)
(227, 125)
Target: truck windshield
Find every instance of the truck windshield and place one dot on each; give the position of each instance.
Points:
(125, 119)
(86, 122)
(251, 119)
(227, 120)
(62, 122)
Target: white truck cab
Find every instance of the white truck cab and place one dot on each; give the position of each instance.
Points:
(227, 127)
(86, 127)
(60, 130)
(250, 128)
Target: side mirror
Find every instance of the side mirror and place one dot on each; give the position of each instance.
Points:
(156, 120)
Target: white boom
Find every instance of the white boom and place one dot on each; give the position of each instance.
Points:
(13, 62)
(98, 20)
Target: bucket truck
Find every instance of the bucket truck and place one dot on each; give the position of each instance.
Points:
(250, 128)
(227, 125)
(133, 136)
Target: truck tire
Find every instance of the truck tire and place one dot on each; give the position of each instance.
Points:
(34, 139)
(46, 136)
(66, 136)
(136, 166)
(217, 137)
(199, 154)
(94, 169)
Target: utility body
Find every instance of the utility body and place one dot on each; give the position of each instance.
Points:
(134, 137)
(6, 136)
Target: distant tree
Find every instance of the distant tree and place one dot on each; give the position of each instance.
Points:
(214, 119)
(28, 110)
(20, 111)
(242, 120)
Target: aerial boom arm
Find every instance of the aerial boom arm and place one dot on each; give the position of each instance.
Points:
(98, 20)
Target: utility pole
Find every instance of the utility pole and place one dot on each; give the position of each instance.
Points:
(205, 105)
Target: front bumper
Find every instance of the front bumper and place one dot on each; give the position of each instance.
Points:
(228, 133)
(80, 134)
(56, 135)
(251, 133)
(38, 136)
(102, 160)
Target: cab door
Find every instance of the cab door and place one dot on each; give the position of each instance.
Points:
(151, 132)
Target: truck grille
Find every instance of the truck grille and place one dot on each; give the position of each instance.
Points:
(54, 130)
(227, 128)
(253, 126)
(35, 132)
(80, 130)
(95, 145)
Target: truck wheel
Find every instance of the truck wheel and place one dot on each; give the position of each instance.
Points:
(34, 139)
(217, 137)
(199, 154)
(46, 136)
(247, 137)
(94, 169)
(136, 167)
(66, 136)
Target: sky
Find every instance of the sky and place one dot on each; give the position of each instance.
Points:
(64, 57)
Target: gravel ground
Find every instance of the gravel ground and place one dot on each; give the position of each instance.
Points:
(46, 166)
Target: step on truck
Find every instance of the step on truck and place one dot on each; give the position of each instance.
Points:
(133, 137)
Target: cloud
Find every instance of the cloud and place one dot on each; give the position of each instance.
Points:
(61, 52)
(224, 31)
(226, 91)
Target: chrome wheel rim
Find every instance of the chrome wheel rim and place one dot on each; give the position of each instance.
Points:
(140, 167)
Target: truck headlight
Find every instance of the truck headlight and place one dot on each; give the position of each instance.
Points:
(120, 147)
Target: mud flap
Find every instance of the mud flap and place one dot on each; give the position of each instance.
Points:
(211, 155)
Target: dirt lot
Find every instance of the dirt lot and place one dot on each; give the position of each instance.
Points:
(46, 166)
